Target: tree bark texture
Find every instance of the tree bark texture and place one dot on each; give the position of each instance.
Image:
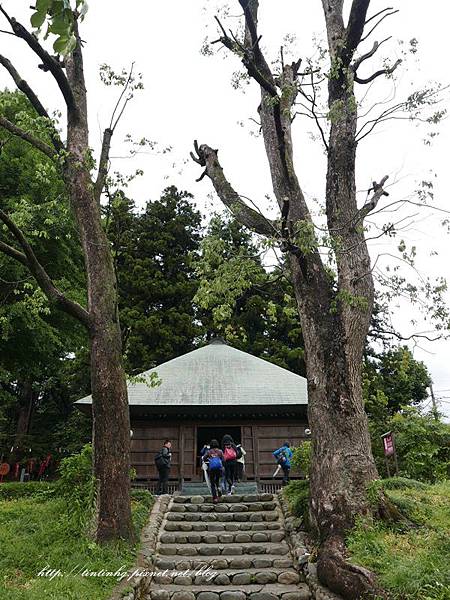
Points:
(335, 314)
(111, 421)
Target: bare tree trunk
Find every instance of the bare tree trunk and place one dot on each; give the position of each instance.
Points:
(334, 315)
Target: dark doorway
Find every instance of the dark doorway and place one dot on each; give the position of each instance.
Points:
(206, 434)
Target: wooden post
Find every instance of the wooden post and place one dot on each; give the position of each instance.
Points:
(387, 466)
(395, 454)
(194, 472)
(255, 454)
(181, 453)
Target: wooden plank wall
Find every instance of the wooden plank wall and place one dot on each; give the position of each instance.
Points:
(146, 441)
(259, 440)
(271, 437)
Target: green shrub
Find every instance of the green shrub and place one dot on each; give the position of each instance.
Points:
(76, 484)
(297, 495)
(302, 458)
(14, 489)
(422, 444)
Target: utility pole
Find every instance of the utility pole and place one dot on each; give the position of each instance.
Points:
(434, 403)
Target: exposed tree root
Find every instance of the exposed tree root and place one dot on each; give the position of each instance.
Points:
(350, 581)
(388, 512)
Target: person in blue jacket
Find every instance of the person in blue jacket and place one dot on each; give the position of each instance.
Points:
(283, 457)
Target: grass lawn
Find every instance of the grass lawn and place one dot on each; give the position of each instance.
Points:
(34, 533)
(412, 564)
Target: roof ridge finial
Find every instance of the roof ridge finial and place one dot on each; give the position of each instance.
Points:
(218, 339)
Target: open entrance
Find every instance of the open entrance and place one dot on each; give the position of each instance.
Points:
(206, 434)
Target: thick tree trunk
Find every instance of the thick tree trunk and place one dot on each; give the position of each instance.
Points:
(111, 419)
(111, 425)
(342, 462)
(111, 434)
(334, 312)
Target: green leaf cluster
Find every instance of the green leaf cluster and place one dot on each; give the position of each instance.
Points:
(61, 17)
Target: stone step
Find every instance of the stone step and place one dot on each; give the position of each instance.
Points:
(219, 562)
(251, 592)
(223, 507)
(223, 517)
(223, 549)
(241, 577)
(238, 497)
(200, 526)
(239, 537)
(197, 487)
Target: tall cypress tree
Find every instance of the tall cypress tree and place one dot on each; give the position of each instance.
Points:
(155, 254)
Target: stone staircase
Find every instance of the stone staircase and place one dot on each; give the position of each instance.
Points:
(233, 550)
(199, 488)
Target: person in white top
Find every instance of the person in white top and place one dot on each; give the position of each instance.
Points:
(241, 463)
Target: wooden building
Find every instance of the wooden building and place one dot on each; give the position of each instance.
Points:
(206, 393)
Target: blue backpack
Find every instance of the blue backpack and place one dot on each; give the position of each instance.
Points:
(214, 463)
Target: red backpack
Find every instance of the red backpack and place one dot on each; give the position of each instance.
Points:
(229, 453)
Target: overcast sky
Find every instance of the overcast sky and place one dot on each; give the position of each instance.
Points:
(189, 96)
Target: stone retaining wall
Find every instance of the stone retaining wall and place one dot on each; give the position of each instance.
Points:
(301, 549)
(137, 587)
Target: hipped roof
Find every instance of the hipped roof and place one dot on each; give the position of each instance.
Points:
(218, 375)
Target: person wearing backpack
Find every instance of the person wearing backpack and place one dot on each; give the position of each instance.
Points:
(230, 455)
(214, 459)
(240, 466)
(162, 462)
(283, 457)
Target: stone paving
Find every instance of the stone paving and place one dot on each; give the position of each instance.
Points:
(233, 550)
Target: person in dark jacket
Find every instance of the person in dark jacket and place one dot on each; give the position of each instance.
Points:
(230, 456)
(213, 457)
(283, 457)
(162, 461)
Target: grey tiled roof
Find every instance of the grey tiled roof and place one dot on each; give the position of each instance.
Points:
(218, 375)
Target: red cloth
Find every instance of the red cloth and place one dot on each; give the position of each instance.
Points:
(44, 464)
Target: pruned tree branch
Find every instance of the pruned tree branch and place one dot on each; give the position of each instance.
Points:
(259, 71)
(361, 59)
(388, 14)
(378, 73)
(31, 139)
(103, 163)
(23, 86)
(380, 12)
(371, 204)
(49, 62)
(252, 39)
(207, 157)
(40, 274)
